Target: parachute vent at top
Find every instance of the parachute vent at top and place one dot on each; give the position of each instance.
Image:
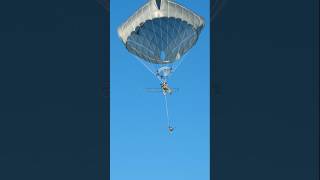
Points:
(161, 31)
(158, 4)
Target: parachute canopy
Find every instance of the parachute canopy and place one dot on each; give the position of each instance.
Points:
(161, 31)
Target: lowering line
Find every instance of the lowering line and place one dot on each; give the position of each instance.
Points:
(170, 123)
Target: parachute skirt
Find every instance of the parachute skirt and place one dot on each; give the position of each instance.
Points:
(161, 32)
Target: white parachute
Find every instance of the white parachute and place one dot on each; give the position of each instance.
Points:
(159, 34)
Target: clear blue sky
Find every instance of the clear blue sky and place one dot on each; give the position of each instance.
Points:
(141, 148)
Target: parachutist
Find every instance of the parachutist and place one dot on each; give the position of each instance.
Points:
(165, 88)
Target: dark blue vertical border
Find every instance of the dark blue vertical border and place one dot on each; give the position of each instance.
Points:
(54, 81)
(215, 24)
(281, 31)
(212, 96)
(104, 123)
(316, 89)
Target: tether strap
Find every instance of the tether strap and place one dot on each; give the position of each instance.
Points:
(167, 112)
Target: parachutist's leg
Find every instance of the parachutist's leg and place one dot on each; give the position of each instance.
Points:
(164, 92)
(170, 91)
